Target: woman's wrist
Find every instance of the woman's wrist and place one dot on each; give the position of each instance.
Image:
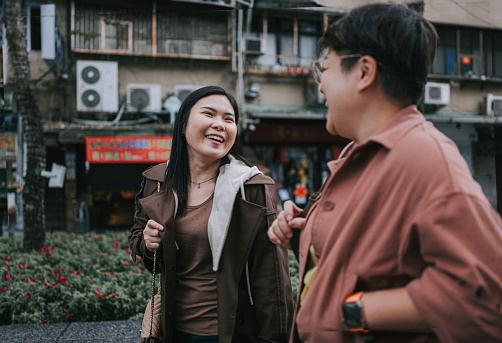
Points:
(391, 310)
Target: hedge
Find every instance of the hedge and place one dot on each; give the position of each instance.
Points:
(76, 278)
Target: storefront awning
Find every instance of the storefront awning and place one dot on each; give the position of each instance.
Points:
(286, 112)
(463, 117)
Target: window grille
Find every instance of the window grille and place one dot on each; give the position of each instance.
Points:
(290, 43)
(116, 35)
(468, 52)
(192, 34)
(200, 33)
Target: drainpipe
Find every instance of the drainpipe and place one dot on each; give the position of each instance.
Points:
(5, 50)
(242, 55)
(240, 63)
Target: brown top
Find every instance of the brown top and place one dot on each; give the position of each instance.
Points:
(195, 303)
(267, 320)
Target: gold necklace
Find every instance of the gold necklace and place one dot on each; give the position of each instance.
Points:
(197, 184)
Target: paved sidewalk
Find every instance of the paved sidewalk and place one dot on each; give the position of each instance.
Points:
(89, 332)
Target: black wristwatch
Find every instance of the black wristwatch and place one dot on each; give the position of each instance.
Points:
(353, 313)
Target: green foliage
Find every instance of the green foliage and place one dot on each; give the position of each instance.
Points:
(73, 278)
(80, 278)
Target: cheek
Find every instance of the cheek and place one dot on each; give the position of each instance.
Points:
(232, 134)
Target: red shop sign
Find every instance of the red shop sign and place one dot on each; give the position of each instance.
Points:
(127, 149)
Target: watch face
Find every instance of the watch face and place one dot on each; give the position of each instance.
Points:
(352, 315)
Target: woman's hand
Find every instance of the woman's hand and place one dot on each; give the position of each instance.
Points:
(151, 235)
(281, 231)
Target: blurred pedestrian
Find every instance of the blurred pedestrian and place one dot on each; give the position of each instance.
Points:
(401, 245)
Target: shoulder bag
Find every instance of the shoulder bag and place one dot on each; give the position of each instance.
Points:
(151, 318)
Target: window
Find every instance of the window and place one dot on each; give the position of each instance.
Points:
(194, 33)
(116, 35)
(281, 33)
(33, 30)
(191, 34)
(111, 29)
(492, 53)
(289, 43)
(468, 53)
(309, 32)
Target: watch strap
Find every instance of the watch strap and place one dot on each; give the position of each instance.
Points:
(354, 300)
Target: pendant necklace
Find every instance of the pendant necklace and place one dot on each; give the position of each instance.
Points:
(197, 184)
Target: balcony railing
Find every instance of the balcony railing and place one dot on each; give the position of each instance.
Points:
(202, 35)
(278, 64)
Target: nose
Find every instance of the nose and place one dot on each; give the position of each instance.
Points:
(218, 124)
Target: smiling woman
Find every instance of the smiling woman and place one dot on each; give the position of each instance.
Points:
(210, 133)
(206, 212)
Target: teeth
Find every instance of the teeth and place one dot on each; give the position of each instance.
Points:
(216, 138)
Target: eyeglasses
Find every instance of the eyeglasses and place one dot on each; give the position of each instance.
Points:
(317, 66)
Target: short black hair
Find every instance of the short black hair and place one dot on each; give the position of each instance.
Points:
(398, 38)
(178, 171)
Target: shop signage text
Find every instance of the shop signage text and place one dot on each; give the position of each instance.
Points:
(127, 149)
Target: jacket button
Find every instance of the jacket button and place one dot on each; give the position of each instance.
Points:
(240, 319)
(328, 206)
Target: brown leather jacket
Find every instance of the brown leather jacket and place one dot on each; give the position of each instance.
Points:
(270, 318)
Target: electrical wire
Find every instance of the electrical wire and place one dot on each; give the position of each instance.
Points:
(470, 13)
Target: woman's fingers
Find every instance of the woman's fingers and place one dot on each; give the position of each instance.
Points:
(291, 210)
(151, 234)
(280, 232)
(281, 229)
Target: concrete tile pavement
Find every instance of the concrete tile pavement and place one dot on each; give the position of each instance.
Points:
(87, 332)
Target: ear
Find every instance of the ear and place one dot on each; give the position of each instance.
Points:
(368, 72)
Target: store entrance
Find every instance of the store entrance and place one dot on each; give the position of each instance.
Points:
(301, 166)
(298, 171)
(107, 192)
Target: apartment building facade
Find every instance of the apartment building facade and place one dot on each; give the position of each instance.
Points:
(109, 77)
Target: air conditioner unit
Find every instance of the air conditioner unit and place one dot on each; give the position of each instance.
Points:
(97, 86)
(182, 91)
(144, 97)
(493, 105)
(437, 93)
(254, 46)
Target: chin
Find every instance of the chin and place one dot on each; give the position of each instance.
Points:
(216, 155)
(331, 129)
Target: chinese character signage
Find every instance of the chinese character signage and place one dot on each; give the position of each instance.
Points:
(127, 149)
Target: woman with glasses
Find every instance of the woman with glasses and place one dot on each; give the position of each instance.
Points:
(401, 245)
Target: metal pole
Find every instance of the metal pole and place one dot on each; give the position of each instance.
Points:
(20, 175)
(240, 62)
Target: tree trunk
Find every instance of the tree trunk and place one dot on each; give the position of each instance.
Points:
(34, 187)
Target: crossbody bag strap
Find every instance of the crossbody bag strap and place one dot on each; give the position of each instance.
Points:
(295, 240)
(153, 292)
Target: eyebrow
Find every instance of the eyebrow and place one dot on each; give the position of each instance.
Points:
(214, 110)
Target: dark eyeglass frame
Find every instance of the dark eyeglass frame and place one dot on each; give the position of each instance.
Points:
(317, 66)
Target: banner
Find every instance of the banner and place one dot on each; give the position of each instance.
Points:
(127, 149)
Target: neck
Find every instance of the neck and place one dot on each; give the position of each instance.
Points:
(376, 115)
(202, 172)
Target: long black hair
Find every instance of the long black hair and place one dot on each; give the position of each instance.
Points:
(178, 171)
